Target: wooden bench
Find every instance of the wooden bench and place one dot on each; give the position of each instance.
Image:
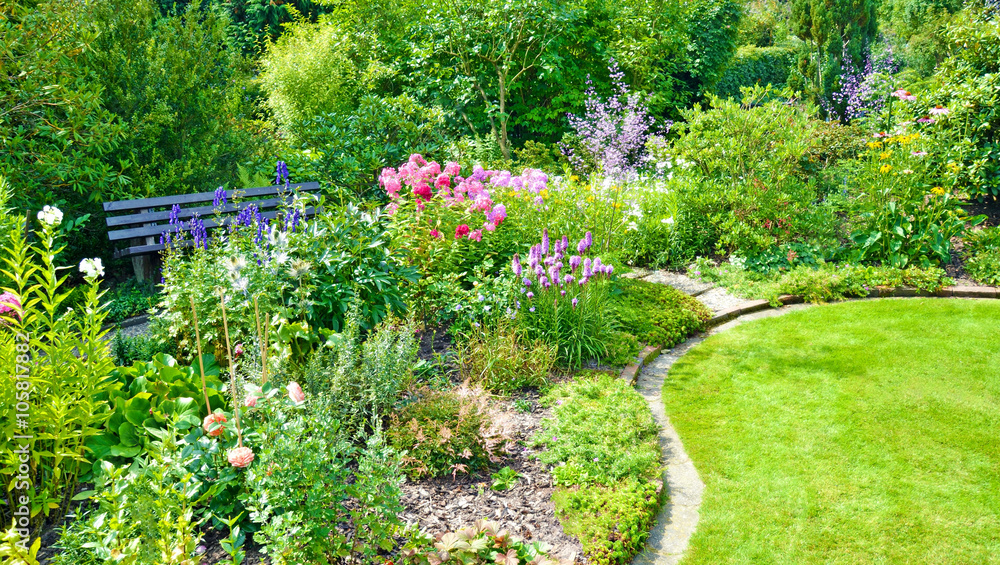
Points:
(145, 219)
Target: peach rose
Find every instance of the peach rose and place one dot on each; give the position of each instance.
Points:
(213, 424)
(295, 393)
(251, 401)
(240, 457)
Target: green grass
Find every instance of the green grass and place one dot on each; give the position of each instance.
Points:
(865, 432)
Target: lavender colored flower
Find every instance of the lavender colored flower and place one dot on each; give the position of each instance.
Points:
(526, 281)
(530, 295)
(575, 302)
(545, 241)
(532, 309)
(587, 237)
(562, 293)
(175, 212)
(568, 279)
(574, 262)
(515, 265)
(220, 197)
(587, 272)
(863, 86)
(544, 281)
(613, 132)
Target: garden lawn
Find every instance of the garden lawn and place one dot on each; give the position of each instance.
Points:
(864, 432)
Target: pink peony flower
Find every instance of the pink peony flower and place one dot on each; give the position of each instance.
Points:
(214, 424)
(461, 231)
(240, 457)
(295, 393)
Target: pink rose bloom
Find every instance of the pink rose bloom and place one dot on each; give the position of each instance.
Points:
(295, 393)
(250, 402)
(452, 168)
(240, 457)
(213, 424)
(476, 235)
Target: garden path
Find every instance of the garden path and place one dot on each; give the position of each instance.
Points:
(678, 518)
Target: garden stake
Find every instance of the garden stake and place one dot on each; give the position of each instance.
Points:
(232, 373)
(263, 356)
(201, 364)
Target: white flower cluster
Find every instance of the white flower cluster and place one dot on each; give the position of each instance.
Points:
(92, 268)
(50, 216)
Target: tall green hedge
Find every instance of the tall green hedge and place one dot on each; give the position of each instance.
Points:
(756, 65)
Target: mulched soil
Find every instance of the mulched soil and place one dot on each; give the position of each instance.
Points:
(526, 510)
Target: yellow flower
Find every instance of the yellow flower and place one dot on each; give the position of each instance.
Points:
(954, 167)
(874, 145)
(574, 178)
(590, 199)
(884, 155)
(544, 193)
(938, 190)
(885, 168)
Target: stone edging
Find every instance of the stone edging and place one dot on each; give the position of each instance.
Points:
(127, 323)
(677, 520)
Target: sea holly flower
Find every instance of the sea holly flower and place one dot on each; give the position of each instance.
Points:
(240, 457)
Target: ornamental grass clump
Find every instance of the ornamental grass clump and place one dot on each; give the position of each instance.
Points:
(566, 298)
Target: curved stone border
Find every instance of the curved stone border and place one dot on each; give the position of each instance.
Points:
(677, 520)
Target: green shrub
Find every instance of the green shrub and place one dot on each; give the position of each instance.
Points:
(482, 543)
(612, 522)
(604, 444)
(499, 358)
(982, 255)
(657, 313)
(127, 350)
(361, 380)
(444, 432)
(601, 432)
(316, 497)
(129, 299)
(752, 65)
(141, 514)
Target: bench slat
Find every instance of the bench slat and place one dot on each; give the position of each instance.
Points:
(186, 213)
(199, 197)
(145, 231)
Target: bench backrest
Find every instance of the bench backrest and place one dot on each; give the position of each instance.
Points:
(149, 217)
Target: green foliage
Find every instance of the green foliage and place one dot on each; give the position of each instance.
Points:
(482, 543)
(151, 397)
(756, 66)
(830, 28)
(14, 551)
(301, 486)
(444, 432)
(349, 147)
(361, 381)
(64, 354)
(127, 350)
(603, 440)
(612, 523)
(657, 313)
(982, 255)
(316, 68)
(129, 299)
(601, 432)
(140, 514)
(505, 479)
(499, 358)
(57, 139)
(180, 89)
(312, 277)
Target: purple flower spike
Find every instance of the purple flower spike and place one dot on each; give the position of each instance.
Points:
(574, 262)
(582, 246)
(586, 268)
(568, 279)
(515, 264)
(530, 295)
(545, 241)
(589, 239)
(544, 281)
(562, 293)
(526, 281)
(565, 243)
(609, 269)
(575, 302)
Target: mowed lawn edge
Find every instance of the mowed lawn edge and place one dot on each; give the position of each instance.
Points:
(861, 432)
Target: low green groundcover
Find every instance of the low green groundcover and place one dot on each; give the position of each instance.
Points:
(863, 432)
